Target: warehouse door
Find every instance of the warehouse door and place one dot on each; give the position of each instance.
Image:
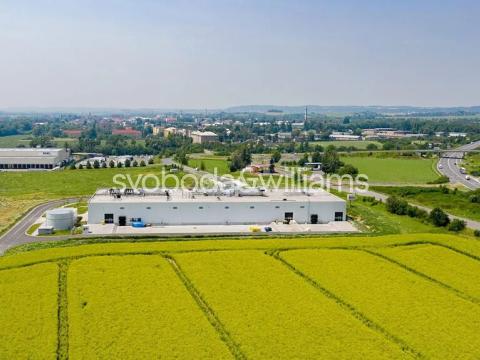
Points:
(108, 218)
(288, 216)
(314, 219)
(122, 220)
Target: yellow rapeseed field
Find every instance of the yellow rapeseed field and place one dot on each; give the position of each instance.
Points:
(28, 312)
(274, 314)
(431, 319)
(397, 296)
(450, 267)
(135, 307)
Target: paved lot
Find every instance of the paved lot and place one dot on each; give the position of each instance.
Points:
(332, 227)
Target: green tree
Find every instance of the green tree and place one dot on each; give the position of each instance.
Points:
(111, 163)
(134, 163)
(142, 163)
(348, 170)
(276, 156)
(89, 166)
(96, 164)
(127, 163)
(456, 225)
(438, 217)
(331, 161)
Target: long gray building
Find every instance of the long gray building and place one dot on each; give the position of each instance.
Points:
(32, 158)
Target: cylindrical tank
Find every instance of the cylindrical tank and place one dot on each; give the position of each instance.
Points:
(61, 219)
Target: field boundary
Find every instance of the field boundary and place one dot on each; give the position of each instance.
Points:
(347, 307)
(259, 248)
(424, 276)
(206, 309)
(62, 335)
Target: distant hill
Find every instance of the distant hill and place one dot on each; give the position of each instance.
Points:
(353, 109)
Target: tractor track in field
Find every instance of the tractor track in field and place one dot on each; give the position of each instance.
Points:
(206, 309)
(348, 307)
(62, 335)
(424, 276)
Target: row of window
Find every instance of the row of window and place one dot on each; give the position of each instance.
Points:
(26, 166)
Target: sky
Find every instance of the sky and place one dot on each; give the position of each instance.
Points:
(214, 54)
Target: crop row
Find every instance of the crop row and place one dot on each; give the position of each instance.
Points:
(432, 319)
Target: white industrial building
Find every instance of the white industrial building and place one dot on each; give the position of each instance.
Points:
(212, 207)
(32, 158)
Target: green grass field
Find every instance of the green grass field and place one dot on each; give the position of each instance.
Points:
(397, 296)
(360, 145)
(454, 202)
(16, 140)
(472, 164)
(394, 170)
(211, 163)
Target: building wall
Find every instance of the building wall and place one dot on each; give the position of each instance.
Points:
(32, 158)
(222, 212)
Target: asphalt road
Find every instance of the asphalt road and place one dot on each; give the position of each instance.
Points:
(450, 166)
(16, 235)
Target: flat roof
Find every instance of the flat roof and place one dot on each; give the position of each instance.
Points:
(30, 149)
(186, 196)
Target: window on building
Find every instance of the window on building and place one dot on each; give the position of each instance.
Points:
(252, 207)
(338, 216)
(175, 207)
(227, 207)
(108, 218)
(200, 207)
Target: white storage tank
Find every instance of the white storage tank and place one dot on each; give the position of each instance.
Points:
(62, 218)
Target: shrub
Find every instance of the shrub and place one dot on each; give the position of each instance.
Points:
(142, 163)
(440, 180)
(456, 225)
(474, 198)
(134, 163)
(111, 163)
(476, 233)
(96, 164)
(438, 217)
(150, 161)
(396, 205)
(444, 190)
(348, 170)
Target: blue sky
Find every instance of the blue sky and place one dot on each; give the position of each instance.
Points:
(211, 54)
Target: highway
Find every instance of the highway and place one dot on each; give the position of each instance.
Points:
(450, 166)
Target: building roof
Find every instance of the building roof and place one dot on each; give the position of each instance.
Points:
(30, 153)
(186, 196)
(126, 132)
(203, 133)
